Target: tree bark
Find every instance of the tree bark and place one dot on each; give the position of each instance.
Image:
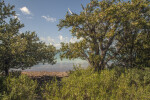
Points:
(6, 67)
(6, 71)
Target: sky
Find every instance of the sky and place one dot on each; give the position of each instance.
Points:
(42, 16)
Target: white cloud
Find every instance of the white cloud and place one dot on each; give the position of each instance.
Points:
(60, 37)
(25, 10)
(42, 39)
(51, 40)
(16, 16)
(49, 19)
(48, 40)
(74, 39)
(57, 41)
(57, 45)
(63, 39)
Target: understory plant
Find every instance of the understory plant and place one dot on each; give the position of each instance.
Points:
(19, 88)
(115, 84)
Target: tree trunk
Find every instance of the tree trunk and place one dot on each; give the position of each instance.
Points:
(6, 71)
(99, 68)
(101, 63)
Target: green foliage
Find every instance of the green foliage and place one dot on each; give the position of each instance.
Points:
(96, 28)
(50, 90)
(20, 50)
(18, 88)
(135, 34)
(82, 84)
(115, 84)
(109, 30)
(142, 49)
(2, 86)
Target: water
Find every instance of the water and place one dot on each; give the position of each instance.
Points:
(60, 66)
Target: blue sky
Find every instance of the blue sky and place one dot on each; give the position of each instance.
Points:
(42, 16)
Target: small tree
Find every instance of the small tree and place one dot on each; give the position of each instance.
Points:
(20, 50)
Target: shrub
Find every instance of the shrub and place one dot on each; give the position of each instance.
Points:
(2, 86)
(115, 84)
(19, 88)
(50, 90)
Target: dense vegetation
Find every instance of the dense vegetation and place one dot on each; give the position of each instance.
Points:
(17, 88)
(116, 84)
(111, 32)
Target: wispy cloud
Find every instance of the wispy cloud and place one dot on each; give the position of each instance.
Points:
(49, 19)
(63, 39)
(74, 39)
(47, 40)
(16, 16)
(57, 45)
(60, 37)
(25, 10)
(57, 41)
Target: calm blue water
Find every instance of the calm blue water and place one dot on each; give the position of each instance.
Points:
(60, 66)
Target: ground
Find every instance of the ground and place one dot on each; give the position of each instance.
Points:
(43, 76)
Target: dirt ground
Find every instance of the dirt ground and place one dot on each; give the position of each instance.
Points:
(43, 73)
(42, 77)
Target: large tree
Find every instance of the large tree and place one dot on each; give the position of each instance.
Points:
(135, 35)
(20, 50)
(102, 28)
(96, 26)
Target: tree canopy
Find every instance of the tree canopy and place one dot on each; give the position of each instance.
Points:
(20, 50)
(110, 31)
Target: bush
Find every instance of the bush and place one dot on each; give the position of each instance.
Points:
(2, 86)
(115, 84)
(50, 90)
(19, 88)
